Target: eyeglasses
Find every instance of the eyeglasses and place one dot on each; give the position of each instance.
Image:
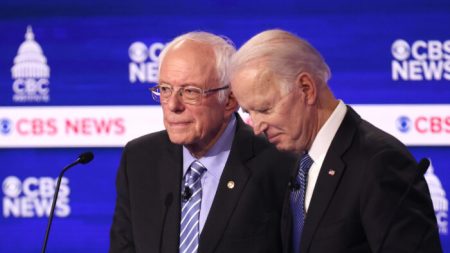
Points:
(189, 95)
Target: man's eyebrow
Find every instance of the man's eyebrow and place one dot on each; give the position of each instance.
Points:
(182, 85)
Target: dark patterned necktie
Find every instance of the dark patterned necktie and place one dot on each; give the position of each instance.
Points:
(298, 202)
(190, 209)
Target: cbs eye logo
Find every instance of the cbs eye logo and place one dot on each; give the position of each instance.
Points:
(403, 124)
(139, 52)
(400, 50)
(12, 187)
(5, 126)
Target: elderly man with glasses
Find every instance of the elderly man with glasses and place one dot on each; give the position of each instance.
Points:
(206, 183)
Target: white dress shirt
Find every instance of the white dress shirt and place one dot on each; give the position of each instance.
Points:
(319, 148)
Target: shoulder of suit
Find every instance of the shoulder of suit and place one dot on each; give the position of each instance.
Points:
(149, 141)
(373, 139)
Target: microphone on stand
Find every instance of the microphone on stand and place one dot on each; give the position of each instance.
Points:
(84, 158)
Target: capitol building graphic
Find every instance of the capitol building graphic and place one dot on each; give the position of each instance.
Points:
(439, 199)
(30, 72)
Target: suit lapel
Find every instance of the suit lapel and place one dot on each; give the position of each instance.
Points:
(170, 173)
(227, 197)
(330, 174)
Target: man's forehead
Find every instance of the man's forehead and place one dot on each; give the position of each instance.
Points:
(265, 79)
(256, 88)
(187, 65)
(255, 80)
(255, 98)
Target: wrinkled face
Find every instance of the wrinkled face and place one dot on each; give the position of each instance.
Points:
(285, 119)
(196, 126)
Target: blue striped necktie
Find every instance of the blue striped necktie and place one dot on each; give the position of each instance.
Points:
(190, 209)
(298, 202)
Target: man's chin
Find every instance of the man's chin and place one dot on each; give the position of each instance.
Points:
(285, 148)
(180, 139)
(280, 146)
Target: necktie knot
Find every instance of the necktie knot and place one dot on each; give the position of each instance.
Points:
(305, 162)
(194, 172)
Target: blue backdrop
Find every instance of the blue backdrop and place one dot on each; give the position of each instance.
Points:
(88, 47)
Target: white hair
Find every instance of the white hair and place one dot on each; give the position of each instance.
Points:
(283, 54)
(223, 49)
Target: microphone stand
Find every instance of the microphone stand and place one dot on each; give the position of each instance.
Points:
(83, 159)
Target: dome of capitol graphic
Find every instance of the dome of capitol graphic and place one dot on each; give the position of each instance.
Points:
(30, 61)
(440, 202)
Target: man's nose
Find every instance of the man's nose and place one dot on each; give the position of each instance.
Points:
(175, 102)
(258, 125)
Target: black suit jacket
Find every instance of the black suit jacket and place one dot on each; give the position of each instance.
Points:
(354, 209)
(243, 219)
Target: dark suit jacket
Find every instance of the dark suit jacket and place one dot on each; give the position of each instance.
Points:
(356, 208)
(243, 219)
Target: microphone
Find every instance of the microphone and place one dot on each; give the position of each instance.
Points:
(84, 158)
(293, 185)
(422, 168)
(167, 204)
(187, 193)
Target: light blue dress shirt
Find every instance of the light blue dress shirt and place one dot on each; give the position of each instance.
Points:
(214, 161)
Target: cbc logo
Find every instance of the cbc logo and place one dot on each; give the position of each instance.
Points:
(31, 86)
(33, 197)
(145, 60)
(30, 72)
(5, 126)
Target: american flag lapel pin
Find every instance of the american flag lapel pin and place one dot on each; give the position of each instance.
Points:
(331, 172)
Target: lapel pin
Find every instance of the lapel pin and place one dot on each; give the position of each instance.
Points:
(230, 184)
(331, 172)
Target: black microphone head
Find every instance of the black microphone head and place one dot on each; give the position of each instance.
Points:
(293, 185)
(423, 165)
(186, 194)
(85, 157)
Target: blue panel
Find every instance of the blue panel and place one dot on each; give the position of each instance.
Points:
(86, 45)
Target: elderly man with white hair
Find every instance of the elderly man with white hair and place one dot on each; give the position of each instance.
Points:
(356, 189)
(206, 183)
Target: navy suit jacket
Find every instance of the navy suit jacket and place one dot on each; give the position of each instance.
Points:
(243, 219)
(359, 208)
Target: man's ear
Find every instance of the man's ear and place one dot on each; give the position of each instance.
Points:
(231, 103)
(306, 84)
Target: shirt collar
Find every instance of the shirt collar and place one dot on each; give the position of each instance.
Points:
(326, 134)
(218, 153)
